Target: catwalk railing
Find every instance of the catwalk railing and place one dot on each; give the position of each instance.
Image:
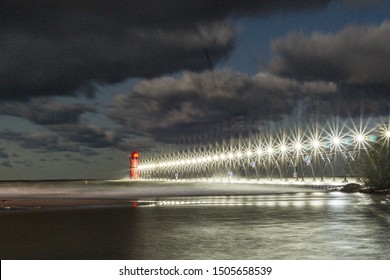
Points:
(298, 156)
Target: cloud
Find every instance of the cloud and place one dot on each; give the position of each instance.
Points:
(81, 137)
(167, 109)
(71, 46)
(7, 164)
(225, 103)
(356, 59)
(46, 111)
(86, 134)
(356, 56)
(3, 154)
(198, 103)
(42, 141)
(67, 129)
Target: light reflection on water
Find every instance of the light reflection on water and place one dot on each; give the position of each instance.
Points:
(284, 200)
(300, 225)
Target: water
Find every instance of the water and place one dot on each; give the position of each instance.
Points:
(195, 221)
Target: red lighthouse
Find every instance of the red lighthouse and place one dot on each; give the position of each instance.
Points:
(134, 162)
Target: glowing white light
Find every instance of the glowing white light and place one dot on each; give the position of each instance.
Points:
(360, 138)
(316, 144)
(270, 150)
(387, 134)
(230, 155)
(259, 152)
(239, 154)
(215, 157)
(298, 146)
(222, 156)
(248, 153)
(336, 141)
(283, 148)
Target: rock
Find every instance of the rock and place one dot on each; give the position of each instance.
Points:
(351, 188)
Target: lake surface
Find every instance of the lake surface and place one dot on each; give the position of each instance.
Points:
(194, 221)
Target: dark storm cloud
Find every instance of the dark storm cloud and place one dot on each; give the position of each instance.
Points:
(64, 121)
(3, 154)
(44, 141)
(64, 47)
(161, 107)
(6, 164)
(46, 111)
(86, 134)
(357, 56)
(356, 59)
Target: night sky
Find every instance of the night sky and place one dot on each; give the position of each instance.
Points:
(84, 82)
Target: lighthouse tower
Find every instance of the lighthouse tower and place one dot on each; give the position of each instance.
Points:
(134, 162)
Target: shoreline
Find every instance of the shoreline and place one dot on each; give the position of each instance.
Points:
(53, 203)
(101, 194)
